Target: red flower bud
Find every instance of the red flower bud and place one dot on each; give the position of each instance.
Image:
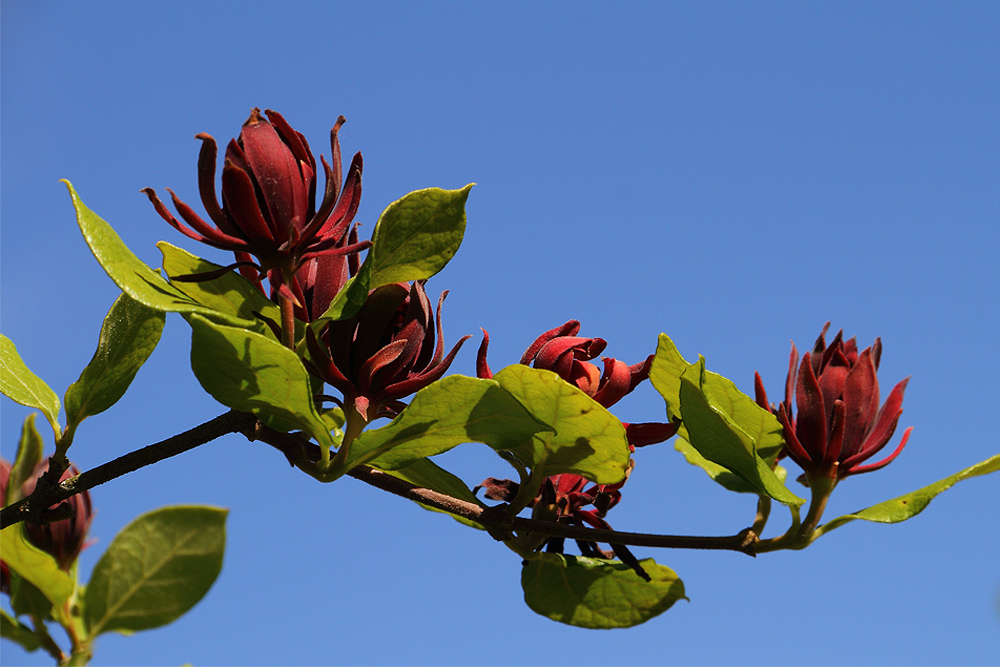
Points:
(386, 352)
(66, 538)
(838, 424)
(268, 210)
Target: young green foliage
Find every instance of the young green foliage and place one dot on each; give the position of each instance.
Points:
(22, 386)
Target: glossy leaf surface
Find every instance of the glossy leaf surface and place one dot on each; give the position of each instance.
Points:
(250, 372)
(129, 272)
(230, 294)
(585, 438)
(595, 593)
(446, 413)
(911, 504)
(416, 236)
(22, 386)
(155, 569)
(129, 335)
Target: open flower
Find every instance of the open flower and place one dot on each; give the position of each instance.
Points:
(560, 350)
(268, 215)
(66, 538)
(838, 424)
(386, 352)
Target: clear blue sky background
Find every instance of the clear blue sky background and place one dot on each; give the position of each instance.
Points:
(733, 174)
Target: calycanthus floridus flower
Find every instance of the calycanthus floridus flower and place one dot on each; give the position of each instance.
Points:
(268, 216)
(390, 349)
(838, 423)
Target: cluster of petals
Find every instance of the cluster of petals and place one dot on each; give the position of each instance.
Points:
(268, 216)
(568, 355)
(63, 539)
(390, 349)
(838, 423)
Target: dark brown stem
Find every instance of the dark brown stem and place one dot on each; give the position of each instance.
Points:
(34, 508)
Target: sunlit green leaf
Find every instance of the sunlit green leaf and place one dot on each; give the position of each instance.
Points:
(16, 631)
(230, 294)
(29, 455)
(129, 272)
(22, 386)
(129, 335)
(155, 569)
(911, 504)
(586, 439)
(35, 566)
(719, 440)
(350, 298)
(597, 594)
(446, 413)
(250, 372)
(417, 235)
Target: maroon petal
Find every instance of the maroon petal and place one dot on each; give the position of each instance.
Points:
(810, 420)
(615, 382)
(836, 439)
(240, 201)
(649, 433)
(640, 372)
(571, 328)
(885, 425)
(385, 356)
(792, 444)
(857, 470)
(860, 387)
(417, 382)
(482, 367)
(760, 396)
(277, 174)
(793, 365)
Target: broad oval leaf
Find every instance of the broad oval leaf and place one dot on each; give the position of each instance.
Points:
(22, 386)
(156, 569)
(250, 372)
(598, 594)
(911, 504)
(128, 336)
(36, 566)
(446, 413)
(416, 236)
(230, 294)
(129, 272)
(585, 438)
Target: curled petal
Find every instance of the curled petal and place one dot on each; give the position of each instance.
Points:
(857, 470)
(810, 420)
(650, 433)
(640, 372)
(615, 382)
(885, 425)
(792, 444)
(571, 328)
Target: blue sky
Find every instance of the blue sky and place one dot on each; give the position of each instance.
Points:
(732, 174)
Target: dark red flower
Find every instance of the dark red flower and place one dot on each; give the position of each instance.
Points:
(66, 538)
(839, 424)
(560, 350)
(268, 211)
(386, 352)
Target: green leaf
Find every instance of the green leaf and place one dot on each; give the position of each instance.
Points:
(718, 439)
(249, 372)
(16, 631)
(230, 294)
(22, 386)
(597, 594)
(349, 299)
(36, 566)
(911, 504)
(129, 272)
(442, 415)
(155, 569)
(586, 439)
(29, 455)
(754, 436)
(416, 236)
(429, 475)
(129, 335)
